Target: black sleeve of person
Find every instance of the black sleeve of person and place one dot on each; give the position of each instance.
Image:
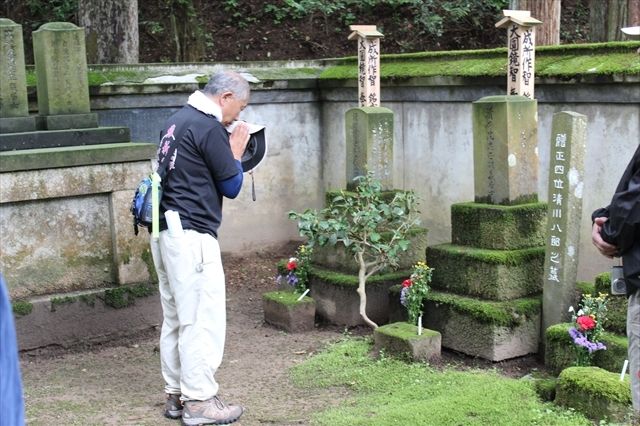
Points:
(623, 227)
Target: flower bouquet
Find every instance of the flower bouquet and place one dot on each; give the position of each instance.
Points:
(415, 289)
(587, 328)
(295, 271)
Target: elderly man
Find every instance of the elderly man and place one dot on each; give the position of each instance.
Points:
(203, 163)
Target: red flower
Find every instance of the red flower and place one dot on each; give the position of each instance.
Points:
(291, 265)
(585, 323)
(407, 283)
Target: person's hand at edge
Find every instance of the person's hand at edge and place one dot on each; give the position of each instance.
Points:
(239, 139)
(606, 249)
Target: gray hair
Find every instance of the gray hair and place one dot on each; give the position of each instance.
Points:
(227, 81)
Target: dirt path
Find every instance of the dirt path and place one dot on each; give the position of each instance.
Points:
(119, 383)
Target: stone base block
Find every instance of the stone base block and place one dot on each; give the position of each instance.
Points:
(401, 339)
(498, 227)
(488, 274)
(559, 353)
(337, 258)
(17, 124)
(283, 310)
(94, 316)
(67, 121)
(337, 300)
(598, 394)
(489, 330)
(63, 138)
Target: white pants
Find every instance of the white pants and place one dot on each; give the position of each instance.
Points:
(633, 333)
(192, 292)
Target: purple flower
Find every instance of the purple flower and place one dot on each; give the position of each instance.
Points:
(292, 279)
(581, 340)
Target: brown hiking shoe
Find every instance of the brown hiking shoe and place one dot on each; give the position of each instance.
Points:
(210, 412)
(173, 406)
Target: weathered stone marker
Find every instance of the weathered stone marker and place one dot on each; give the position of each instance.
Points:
(564, 214)
(368, 63)
(61, 70)
(369, 128)
(505, 154)
(14, 108)
(521, 43)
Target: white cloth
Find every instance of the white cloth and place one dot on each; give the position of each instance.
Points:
(633, 333)
(192, 292)
(202, 103)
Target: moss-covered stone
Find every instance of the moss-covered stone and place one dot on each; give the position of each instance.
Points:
(21, 307)
(401, 339)
(559, 350)
(498, 227)
(597, 393)
(59, 301)
(147, 258)
(487, 329)
(124, 296)
(585, 287)
(283, 310)
(545, 388)
(488, 274)
(616, 320)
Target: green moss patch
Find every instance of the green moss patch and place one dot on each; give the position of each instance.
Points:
(507, 313)
(288, 298)
(21, 307)
(122, 297)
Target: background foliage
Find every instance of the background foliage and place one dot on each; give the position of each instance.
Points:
(247, 30)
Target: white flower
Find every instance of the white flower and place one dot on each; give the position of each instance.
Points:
(571, 309)
(580, 312)
(293, 259)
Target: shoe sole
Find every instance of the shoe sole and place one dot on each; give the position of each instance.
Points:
(173, 415)
(205, 421)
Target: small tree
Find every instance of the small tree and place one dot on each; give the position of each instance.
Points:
(372, 225)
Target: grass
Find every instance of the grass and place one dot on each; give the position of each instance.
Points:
(387, 391)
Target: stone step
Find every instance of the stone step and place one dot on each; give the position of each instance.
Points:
(487, 274)
(59, 138)
(498, 227)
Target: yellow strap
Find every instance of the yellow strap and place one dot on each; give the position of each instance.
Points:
(155, 205)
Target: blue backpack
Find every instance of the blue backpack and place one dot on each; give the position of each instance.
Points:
(141, 205)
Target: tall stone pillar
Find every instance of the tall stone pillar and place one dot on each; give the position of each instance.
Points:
(14, 107)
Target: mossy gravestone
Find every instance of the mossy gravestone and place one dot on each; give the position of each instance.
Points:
(497, 251)
(62, 79)
(14, 109)
(285, 310)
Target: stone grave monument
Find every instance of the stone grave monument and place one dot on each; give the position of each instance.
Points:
(487, 283)
(564, 215)
(67, 248)
(369, 147)
(14, 109)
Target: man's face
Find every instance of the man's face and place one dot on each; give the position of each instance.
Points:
(231, 107)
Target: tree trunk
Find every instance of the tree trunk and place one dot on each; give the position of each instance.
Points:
(187, 32)
(547, 11)
(608, 16)
(634, 13)
(362, 280)
(111, 30)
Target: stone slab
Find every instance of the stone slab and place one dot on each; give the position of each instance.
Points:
(337, 301)
(498, 227)
(401, 339)
(60, 138)
(17, 125)
(47, 158)
(293, 318)
(13, 84)
(488, 274)
(463, 332)
(51, 323)
(67, 121)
